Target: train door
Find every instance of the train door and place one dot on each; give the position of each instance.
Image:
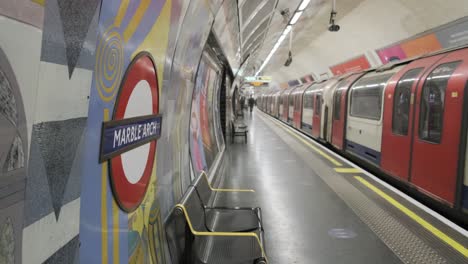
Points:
(338, 118)
(278, 101)
(285, 106)
(317, 120)
(339, 111)
(325, 123)
(280, 107)
(290, 108)
(398, 118)
(297, 109)
(437, 126)
(307, 111)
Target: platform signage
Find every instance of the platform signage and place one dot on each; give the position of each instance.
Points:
(123, 135)
(128, 140)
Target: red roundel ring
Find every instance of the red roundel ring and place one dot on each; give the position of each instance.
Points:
(138, 95)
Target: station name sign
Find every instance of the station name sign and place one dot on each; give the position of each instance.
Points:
(119, 136)
(264, 79)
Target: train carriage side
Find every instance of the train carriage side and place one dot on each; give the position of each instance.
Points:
(291, 99)
(285, 104)
(281, 105)
(364, 117)
(276, 112)
(327, 107)
(267, 104)
(272, 102)
(297, 115)
(339, 107)
(318, 109)
(439, 140)
(398, 117)
(307, 109)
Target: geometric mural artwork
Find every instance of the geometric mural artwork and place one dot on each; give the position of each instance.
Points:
(67, 254)
(7, 242)
(76, 17)
(58, 143)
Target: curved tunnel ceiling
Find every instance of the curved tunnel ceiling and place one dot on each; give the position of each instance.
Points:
(366, 25)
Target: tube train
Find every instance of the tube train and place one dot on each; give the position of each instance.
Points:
(405, 120)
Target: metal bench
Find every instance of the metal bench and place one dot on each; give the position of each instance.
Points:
(238, 129)
(190, 239)
(234, 217)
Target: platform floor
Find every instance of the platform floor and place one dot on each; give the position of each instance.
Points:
(317, 209)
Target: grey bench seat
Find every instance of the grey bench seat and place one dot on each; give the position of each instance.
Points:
(239, 128)
(190, 239)
(200, 233)
(228, 217)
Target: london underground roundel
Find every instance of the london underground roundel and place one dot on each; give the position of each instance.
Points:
(128, 141)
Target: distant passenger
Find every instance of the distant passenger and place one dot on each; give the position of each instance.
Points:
(251, 103)
(242, 102)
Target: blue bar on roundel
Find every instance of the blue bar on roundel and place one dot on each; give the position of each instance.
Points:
(119, 136)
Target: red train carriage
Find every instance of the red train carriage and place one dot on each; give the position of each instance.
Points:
(284, 106)
(339, 110)
(297, 109)
(409, 119)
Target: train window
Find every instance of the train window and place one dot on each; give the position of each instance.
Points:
(308, 101)
(297, 103)
(318, 104)
(432, 102)
(291, 99)
(366, 96)
(401, 102)
(337, 105)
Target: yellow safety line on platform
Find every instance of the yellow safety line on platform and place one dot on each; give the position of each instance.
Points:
(104, 230)
(224, 190)
(348, 170)
(319, 151)
(436, 232)
(227, 234)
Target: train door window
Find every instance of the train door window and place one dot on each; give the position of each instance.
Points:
(431, 115)
(298, 102)
(337, 105)
(318, 104)
(308, 101)
(366, 96)
(291, 99)
(401, 102)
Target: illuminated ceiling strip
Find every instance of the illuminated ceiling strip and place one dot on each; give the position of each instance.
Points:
(294, 19)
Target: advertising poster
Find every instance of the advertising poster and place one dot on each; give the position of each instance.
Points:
(196, 144)
(447, 36)
(422, 45)
(205, 117)
(393, 53)
(353, 65)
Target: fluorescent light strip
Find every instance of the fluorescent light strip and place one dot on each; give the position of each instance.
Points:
(286, 31)
(296, 17)
(303, 5)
